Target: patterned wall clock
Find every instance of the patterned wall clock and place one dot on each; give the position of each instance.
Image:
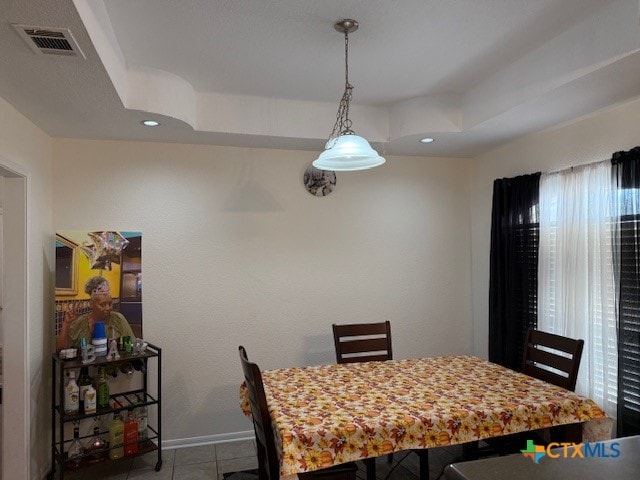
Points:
(319, 183)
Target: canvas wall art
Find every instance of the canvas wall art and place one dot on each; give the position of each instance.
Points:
(98, 279)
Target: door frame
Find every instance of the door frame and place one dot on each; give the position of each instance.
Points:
(16, 402)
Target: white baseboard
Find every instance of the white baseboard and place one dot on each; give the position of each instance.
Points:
(208, 440)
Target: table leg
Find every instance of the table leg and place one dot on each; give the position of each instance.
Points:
(470, 450)
(573, 432)
(370, 464)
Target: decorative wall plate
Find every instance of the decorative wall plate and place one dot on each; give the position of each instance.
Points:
(319, 183)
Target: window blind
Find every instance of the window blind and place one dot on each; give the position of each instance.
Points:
(629, 327)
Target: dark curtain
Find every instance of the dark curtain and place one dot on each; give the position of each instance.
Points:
(513, 282)
(626, 175)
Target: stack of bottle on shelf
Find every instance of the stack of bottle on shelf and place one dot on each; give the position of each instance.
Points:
(125, 433)
(88, 396)
(95, 451)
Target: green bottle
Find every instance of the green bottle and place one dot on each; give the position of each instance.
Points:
(83, 383)
(102, 389)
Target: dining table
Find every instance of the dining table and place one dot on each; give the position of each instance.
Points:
(326, 415)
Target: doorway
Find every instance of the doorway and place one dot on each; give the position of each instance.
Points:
(14, 324)
(1, 329)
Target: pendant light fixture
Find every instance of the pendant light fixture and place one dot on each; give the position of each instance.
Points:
(346, 151)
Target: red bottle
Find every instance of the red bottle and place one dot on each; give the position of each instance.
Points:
(130, 435)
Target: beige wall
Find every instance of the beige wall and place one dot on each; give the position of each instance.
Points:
(235, 251)
(586, 141)
(25, 149)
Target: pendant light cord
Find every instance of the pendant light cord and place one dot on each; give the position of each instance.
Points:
(343, 123)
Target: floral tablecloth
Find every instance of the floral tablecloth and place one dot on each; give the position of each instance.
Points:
(331, 414)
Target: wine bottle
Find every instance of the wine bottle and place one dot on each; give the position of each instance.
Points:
(139, 365)
(102, 389)
(84, 382)
(126, 368)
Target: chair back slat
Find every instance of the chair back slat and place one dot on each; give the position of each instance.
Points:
(560, 366)
(364, 358)
(564, 364)
(362, 342)
(547, 376)
(358, 329)
(367, 345)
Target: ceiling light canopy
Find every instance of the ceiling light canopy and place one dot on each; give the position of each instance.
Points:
(346, 151)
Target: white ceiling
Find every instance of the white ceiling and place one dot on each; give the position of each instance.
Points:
(473, 74)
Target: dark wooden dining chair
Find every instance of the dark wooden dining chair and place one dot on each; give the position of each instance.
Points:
(369, 342)
(268, 464)
(554, 359)
(544, 351)
(362, 342)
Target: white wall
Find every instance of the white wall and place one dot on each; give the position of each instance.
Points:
(27, 150)
(585, 141)
(235, 251)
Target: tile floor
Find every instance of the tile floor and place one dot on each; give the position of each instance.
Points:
(209, 462)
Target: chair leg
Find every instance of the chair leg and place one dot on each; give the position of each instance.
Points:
(370, 464)
(423, 454)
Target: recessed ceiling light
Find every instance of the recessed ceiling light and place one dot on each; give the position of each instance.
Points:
(150, 123)
(426, 140)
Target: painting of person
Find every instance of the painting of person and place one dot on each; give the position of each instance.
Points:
(76, 327)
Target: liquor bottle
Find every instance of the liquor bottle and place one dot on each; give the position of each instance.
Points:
(130, 435)
(84, 381)
(96, 449)
(141, 417)
(102, 388)
(90, 400)
(116, 438)
(112, 369)
(126, 368)
(139, 365)
(72, 395)
(75, 452)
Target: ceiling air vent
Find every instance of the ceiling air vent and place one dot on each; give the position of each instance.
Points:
(50, 40)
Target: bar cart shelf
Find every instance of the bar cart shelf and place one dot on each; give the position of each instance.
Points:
(119, 401)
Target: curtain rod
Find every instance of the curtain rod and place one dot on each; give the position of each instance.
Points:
(576, 167)
(616, 158)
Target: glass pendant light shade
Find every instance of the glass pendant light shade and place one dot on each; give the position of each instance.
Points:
(348, 153)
